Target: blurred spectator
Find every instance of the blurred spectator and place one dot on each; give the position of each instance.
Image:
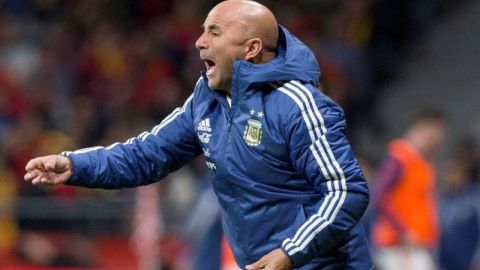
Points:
(406, 231)
(459, 211)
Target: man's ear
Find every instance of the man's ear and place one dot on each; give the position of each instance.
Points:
(253, 49)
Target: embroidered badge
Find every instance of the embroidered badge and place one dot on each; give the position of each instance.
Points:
(253, 132)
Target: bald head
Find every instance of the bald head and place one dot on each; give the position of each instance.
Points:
(256, 19)
(233, 30)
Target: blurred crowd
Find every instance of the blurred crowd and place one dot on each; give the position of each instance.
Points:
(92, 72)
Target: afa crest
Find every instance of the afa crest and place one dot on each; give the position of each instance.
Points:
(253, 132)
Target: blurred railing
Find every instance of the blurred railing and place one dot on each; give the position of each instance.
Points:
(90, 214)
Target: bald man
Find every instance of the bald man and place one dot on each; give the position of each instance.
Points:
(290, 188)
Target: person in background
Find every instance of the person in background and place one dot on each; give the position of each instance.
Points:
(405, 230)
(459, 213)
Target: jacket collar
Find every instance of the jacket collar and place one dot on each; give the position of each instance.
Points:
(294, 61)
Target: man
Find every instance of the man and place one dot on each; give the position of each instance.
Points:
(406, 229)
(290, 188)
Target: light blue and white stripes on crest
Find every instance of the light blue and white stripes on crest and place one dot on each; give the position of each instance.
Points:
(331, 170)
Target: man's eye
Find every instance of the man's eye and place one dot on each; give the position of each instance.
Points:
(215, 34)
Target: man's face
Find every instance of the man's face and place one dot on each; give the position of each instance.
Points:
(435, 133)
(222, 42)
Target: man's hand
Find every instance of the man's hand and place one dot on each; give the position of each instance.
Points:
(275, 260)
(48, 170)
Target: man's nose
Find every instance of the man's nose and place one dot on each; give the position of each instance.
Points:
(200, 43)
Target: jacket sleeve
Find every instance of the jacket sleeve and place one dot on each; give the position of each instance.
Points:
(140, 160)
(320, 151)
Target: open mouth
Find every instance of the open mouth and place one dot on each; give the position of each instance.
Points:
(209, 65)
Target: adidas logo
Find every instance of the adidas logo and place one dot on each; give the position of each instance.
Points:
(204, 125)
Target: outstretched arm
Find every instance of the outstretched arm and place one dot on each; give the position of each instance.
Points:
(139, 161)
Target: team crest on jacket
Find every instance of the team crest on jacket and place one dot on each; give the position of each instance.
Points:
(253, 132)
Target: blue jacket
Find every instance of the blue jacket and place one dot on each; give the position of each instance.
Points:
(283, 170)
